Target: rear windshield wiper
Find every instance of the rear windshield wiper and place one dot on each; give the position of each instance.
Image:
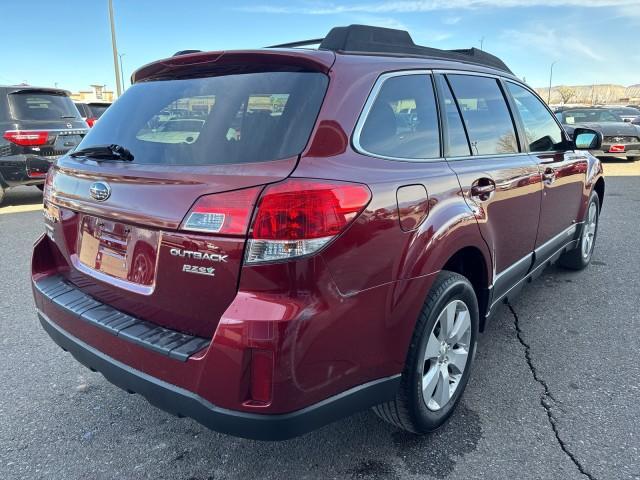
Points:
(104, 152)
(68, 116)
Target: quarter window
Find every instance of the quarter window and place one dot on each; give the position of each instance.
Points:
(485, 114)
(403, 120)
(541, 130)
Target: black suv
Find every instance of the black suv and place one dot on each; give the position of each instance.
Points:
(37, 125)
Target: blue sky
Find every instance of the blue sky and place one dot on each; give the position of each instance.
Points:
(597, 43)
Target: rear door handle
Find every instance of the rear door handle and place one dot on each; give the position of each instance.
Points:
(482, 189)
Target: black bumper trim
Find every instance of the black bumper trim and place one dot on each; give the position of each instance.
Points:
(183, 403)
(168, 342)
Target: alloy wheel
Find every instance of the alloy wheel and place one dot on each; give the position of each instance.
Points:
(446, 354)
(589, 235)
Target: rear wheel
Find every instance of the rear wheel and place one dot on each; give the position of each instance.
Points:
(439, 358)
(580, 257)
(1, 194)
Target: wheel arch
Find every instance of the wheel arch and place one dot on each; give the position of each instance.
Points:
(470, 262)
(599, 188)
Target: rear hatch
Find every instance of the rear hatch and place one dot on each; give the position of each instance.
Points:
(162, 237)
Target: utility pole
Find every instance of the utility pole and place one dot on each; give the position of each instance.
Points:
(120, 55)
(550, 80)
(115, 49)
(481, 43)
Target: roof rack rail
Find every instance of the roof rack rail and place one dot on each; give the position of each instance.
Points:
(368, 39)
(301, 43)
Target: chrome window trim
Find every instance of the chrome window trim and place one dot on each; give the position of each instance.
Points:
(373, 95)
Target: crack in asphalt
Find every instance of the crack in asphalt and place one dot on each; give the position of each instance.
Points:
(547, 400)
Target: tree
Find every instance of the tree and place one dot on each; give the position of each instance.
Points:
(566, 93)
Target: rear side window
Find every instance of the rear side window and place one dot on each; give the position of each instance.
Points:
(240, 118)
(403, 120)
(97, 110)
(485, 114)
(542, 132)
(41, 106)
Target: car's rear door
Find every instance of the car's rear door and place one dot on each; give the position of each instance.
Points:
(563, 171)
(499, 181)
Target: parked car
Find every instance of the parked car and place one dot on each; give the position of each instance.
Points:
(92, 111)
(316, 262)
(627, 114)
(620, 139)
(37, 125)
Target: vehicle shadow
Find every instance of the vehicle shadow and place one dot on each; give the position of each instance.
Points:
(21, 196)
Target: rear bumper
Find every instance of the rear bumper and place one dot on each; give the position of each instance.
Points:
(183, 403)
(633, 152)
(24, 169)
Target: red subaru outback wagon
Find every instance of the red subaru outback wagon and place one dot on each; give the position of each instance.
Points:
(269, 240)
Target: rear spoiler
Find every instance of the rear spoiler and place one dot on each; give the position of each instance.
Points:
(200, 64)
(48, 91)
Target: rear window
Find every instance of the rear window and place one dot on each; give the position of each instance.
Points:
(41, 106)
(241, 118)
(97, 110)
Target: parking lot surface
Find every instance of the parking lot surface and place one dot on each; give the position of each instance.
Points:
(553, 395)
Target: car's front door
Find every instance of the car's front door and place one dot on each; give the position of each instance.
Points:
(563, 171)
(500, 182)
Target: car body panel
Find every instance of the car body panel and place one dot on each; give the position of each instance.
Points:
(335, 320)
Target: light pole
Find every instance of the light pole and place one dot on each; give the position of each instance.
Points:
(120, 55)
(115, 49)
(550, 80)
(481, 43)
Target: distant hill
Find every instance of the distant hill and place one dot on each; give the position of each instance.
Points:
(592, 94)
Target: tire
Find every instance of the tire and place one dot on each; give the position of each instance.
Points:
(579, 257)
(40, 187)
(633, 159)
(421, 413)
(1, 194)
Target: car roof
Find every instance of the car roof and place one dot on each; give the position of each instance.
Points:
(389, 48)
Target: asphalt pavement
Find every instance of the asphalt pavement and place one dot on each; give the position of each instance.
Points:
(553, 395)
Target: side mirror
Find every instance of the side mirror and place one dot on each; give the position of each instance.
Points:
(587, 139)
(627, 120)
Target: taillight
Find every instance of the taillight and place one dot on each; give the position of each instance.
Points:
(48, 185)
(300, 216)
(91, 121)
(27, 138)
(222, 213)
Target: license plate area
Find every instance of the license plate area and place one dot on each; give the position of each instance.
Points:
(118, 250)
(617, 149)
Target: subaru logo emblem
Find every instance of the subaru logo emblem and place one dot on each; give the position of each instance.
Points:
(100, 191)
(69, 125)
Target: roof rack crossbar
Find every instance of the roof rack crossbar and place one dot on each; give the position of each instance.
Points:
(301, 43)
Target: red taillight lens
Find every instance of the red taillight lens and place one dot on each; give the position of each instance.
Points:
(299, 216)
(26, 138)
(223, 213)
(91, 121)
